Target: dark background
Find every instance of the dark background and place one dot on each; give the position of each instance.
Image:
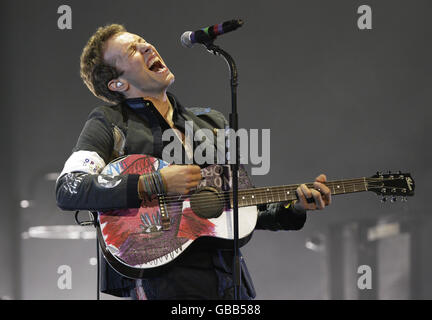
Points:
(338, 100)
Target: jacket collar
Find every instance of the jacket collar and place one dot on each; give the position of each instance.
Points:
(139, 103)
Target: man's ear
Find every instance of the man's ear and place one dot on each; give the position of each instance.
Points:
(117, 85)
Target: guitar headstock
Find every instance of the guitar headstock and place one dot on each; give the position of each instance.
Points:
(392, 185)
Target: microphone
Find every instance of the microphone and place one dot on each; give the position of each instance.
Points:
(205, 35)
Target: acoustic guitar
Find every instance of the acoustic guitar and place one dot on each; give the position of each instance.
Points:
(139, 241)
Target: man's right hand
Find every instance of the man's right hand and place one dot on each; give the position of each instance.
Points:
(181, 179)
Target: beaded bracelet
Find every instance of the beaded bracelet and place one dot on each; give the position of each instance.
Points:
(153, 184)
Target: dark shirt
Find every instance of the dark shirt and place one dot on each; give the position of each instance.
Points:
(136, 127)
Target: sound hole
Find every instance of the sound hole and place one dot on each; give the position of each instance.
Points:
(207, 203)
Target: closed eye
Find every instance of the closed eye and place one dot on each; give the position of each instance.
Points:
(132, 49)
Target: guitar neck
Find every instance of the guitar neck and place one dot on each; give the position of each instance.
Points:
(256, 196)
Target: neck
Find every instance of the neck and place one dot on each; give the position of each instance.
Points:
(162, 104)
(263, 195)
(159, 99)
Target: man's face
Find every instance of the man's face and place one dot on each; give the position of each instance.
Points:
(142, 66)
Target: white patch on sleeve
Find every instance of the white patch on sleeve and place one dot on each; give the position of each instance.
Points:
(108, 182)
(83, 161)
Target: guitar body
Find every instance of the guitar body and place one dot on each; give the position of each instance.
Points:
(134, 241)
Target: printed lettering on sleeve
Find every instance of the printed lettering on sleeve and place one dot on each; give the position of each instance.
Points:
(84, 161)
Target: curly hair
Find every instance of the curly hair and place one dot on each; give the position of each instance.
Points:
(94, 70)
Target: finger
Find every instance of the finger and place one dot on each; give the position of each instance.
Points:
(321, 178)
(309, 197)
(193, 176)
(196, 179)
(303, 201)
(306, 191)
(318, 199)
(193, 168)
(191, 185)
(324, 190)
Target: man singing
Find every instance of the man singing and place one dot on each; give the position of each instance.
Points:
(123, 69)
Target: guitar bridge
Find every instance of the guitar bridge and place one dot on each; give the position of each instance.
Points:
(165, 219)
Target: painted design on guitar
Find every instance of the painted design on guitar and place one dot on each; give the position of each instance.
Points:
(220, 177)
(152, 224)
(136, 236)
(192, 226)
(126, 232)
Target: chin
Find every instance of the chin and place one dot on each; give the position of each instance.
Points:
(171, 78)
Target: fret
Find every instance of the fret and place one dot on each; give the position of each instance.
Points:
(358, 187)
(338, 188)
(241, 198)
(286, 193)
(278, 194)
(255, 197)
(348, 188)
(265, 195)
(270, 197)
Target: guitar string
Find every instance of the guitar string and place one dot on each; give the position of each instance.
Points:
(287, 187)
(329, 184)
(204, 200)
(179, 211)
(210, 203)
(278, 196)
(267, 190)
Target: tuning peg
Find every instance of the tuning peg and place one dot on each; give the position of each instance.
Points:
(383, 199)
(393, 199)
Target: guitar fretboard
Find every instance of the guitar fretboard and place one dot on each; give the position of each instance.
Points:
(256, 196)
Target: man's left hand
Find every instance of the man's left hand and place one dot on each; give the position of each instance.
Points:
(316, 198)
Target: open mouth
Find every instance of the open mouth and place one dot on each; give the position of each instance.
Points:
(156, 65)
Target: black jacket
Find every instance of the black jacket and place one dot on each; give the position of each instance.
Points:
(136, 127)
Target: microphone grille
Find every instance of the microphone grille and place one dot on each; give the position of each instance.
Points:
(186, 40)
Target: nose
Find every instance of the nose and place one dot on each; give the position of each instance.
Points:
(145, 48)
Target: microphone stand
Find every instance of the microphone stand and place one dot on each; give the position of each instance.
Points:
(233, 119)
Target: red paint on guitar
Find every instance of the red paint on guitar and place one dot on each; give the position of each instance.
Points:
(192, 226)
(122, 223)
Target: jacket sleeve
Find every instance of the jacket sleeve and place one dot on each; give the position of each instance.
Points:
(81, 186)
(276, 216)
